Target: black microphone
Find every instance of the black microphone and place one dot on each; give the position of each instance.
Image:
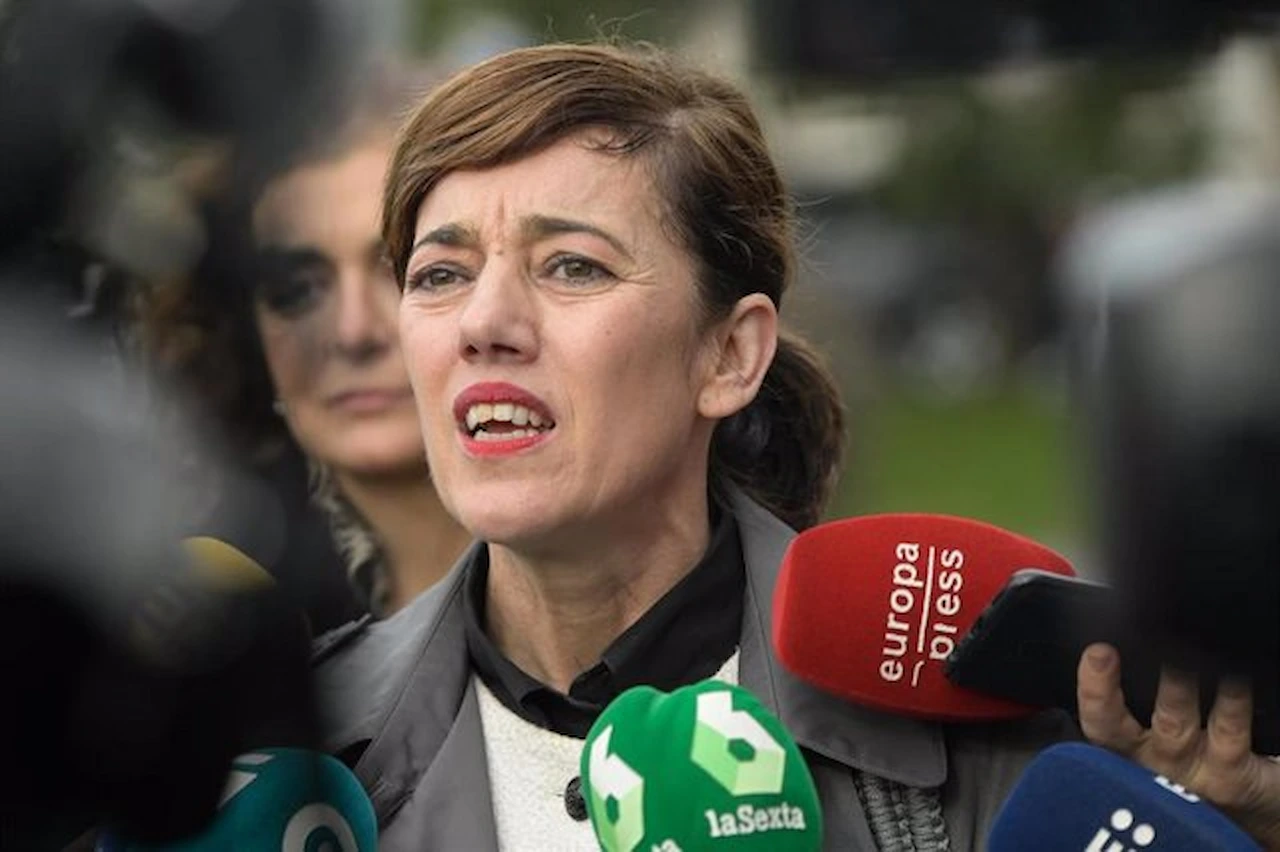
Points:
(1173, 303)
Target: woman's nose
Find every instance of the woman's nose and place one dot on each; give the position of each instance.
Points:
(498, 320)
(366, 319)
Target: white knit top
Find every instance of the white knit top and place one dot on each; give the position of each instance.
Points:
(529, 769)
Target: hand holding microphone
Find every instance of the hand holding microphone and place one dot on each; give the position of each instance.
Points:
(880, 582)
(1172, 301)
(1216, 760)
(705, 767)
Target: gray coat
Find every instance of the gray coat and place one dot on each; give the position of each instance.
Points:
(404, 686)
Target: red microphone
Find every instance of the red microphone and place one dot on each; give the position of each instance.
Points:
(870, 608)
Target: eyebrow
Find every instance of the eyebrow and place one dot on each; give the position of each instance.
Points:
(280, 258)
(537, 228)
(458, 236)
(532, 228)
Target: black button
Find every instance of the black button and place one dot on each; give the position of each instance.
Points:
(573, 801)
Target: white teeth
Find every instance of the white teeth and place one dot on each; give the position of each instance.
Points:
(482, 435)
(505, 412)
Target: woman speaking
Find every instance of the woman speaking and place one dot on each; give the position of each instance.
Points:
(593, 245)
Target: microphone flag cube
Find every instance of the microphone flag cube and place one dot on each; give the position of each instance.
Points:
(703, 767)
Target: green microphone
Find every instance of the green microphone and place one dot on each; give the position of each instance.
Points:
(706, 767)
(281, 800)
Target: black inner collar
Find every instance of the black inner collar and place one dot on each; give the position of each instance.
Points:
(683, 638)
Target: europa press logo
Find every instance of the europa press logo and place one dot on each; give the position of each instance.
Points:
(1122, 834)
(924, 603)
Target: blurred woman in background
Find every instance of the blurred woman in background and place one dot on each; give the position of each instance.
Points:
(302, 375)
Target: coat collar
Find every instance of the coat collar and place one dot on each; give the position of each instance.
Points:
(431, 709)
(423, 711)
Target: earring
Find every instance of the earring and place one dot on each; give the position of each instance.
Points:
(278, 407)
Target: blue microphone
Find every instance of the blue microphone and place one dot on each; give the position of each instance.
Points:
(1081, 798)
(281, 800)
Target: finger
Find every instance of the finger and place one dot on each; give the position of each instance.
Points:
(1104, 718)
(1230, 727)
(1175, 720)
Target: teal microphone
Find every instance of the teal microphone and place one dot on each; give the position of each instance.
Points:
(281, 800)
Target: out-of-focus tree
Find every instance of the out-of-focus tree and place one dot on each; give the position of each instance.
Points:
(435, 21)
(983, 146)
(1002, 165)
(1012, 159)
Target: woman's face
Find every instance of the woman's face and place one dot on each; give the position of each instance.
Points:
(326, 313)
(549, 324)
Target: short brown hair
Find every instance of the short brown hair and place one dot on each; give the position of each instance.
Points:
(727, 206)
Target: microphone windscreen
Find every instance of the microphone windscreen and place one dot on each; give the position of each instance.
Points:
(282, 799)
(870, 608)
(225, 565)
(705, 767)
(216, 662)
(1076, 797)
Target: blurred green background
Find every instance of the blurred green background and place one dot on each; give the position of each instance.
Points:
(1009, 458)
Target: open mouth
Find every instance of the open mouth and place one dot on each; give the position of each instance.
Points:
(504, 421)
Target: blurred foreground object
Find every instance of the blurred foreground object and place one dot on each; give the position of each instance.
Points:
(127, 110)
(1174, 302)
(135, 668)
(868, 40)
(132, 133)
(282, 799)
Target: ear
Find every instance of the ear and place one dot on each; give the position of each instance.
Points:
(744, 345)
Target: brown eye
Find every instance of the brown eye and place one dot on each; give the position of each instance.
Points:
(576, 270)
(294, 292)
(435, 277)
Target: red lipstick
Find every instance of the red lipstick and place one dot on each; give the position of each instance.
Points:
(494, 443)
